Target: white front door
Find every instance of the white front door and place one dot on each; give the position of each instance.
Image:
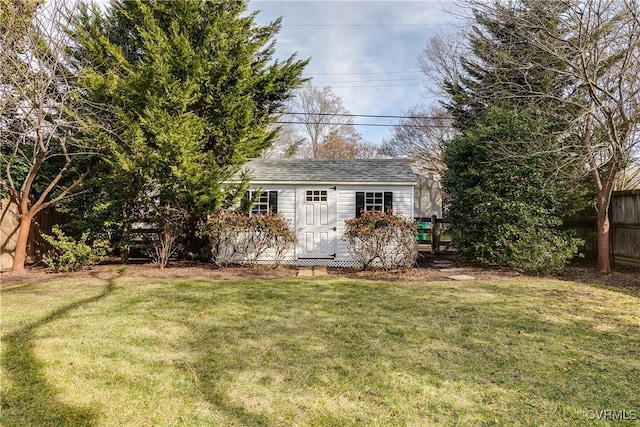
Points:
(316, 223)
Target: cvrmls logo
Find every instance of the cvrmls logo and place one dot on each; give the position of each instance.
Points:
(609, 414)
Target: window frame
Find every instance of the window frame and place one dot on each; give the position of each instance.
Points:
(374, 201)
(267, 202)
(316, 196)
(362, 204)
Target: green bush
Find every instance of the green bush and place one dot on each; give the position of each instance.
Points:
(513, 234)
(505, 204)
(379, 238)
(72, 255)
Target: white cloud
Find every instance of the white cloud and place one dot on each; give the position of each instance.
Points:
(359, 46)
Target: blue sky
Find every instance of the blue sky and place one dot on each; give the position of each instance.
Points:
(367, 51)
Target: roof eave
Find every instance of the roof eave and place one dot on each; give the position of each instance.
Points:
(339, 183)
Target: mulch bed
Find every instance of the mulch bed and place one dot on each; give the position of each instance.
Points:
(429, 271)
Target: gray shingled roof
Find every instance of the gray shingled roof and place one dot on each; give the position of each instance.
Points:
(343, 171)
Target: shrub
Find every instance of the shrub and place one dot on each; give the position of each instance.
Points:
(236, 237)
(513, 234)
(164, 245)
(383, 238)
(165, 242)
(72, 255)
(506, 203)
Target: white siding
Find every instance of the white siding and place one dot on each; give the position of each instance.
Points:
(286, 208)
(428, 197)
(402, 204)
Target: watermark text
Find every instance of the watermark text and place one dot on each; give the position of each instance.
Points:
(608, 414)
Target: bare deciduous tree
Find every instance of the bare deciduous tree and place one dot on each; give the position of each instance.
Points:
(286, 144)
(324, 125)
(44, 123)
(344, 143)
(421, 136)
(441, 60)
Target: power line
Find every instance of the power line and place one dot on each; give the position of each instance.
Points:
(373, 86)
(287, 122)
(369, 81)
(365, 25)
(374, 116)
(334, 86)
(378, 72)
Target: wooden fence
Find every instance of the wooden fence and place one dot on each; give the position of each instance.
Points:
(36, 247)
(433, 234)
(625, 228)
(624, 217)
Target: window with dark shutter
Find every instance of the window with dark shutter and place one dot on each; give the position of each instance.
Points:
(359, 203)
(377, 201)
(273, 201)
(388, 201)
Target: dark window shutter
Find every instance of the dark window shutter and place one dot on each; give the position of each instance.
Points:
(273, 201)
(388, 201)
(359, 203)
(246, 204)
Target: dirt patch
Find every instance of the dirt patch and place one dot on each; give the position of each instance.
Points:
(176, 270)
(627, 278)
(431, 271)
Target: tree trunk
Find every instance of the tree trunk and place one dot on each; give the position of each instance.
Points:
(604, 263)
(126, 236)
(21, 244)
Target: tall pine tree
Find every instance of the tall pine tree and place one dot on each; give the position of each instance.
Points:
(194, 91)
(506, 206)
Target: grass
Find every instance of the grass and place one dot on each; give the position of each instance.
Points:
(318, 352)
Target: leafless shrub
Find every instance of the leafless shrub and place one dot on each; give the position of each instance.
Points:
(383, 238)
(238, 238)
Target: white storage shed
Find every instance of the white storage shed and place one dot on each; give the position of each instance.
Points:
(316, 196)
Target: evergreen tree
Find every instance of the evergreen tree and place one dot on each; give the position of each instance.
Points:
(506, 205)
(194, 92)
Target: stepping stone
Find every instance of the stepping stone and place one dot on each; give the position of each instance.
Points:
(461, 277)
(305, 272)
(313, 271)
(441, 263)
(320, 271)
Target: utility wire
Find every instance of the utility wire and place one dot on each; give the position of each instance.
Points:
(287, 122)
(333, 79)
(369, 81)
(373, 86)
(375, 116)
(379, 72)
(365, 25)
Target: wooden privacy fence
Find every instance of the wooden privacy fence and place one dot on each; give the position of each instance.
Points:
(36, 246)
(624, 217)
(624, 214)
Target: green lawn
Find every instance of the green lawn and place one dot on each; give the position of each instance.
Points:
(318, 351)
